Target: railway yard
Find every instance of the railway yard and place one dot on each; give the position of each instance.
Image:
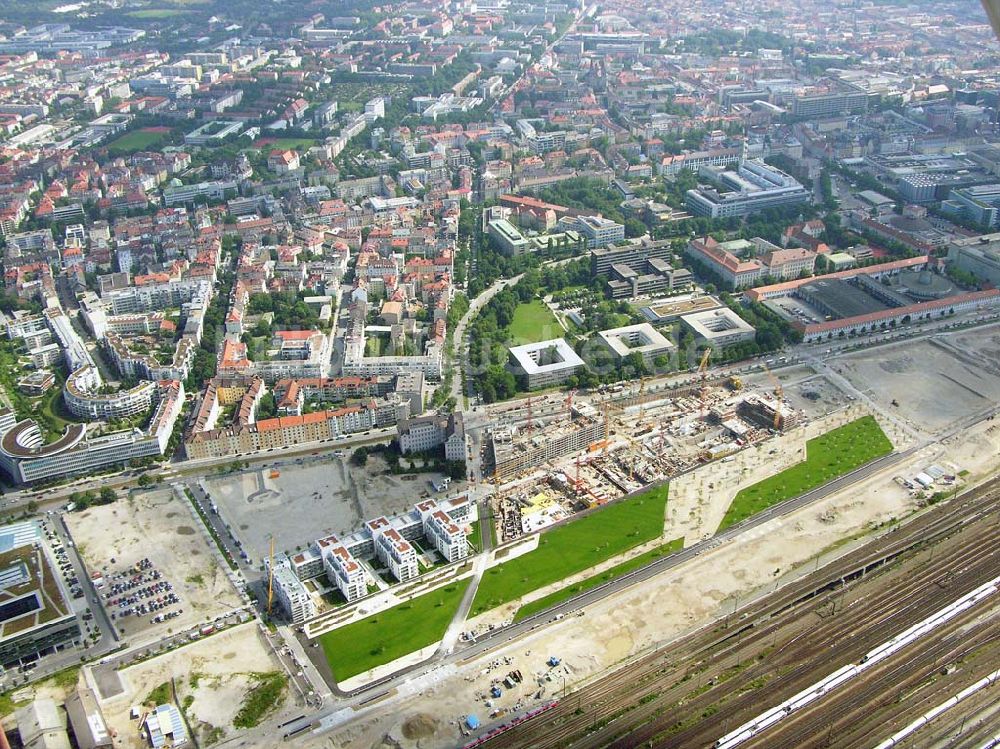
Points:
(721, 678)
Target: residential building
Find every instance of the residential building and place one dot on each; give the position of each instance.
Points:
(290, 594)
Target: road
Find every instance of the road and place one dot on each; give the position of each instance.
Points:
(458, 382)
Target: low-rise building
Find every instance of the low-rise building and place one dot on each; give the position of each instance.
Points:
(719, 327)
(545, 363)
(642, 339)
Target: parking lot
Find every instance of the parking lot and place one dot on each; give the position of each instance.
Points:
(138, 592)
(160, 574)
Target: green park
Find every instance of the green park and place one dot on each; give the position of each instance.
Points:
(828, 456)
(575, 546)
(383, 637)
(533, 321)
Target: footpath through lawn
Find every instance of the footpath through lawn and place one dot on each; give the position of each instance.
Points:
(828, 456)
(383, 637)
(574, 547)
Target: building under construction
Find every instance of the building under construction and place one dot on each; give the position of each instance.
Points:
(767, 412)
(516, 450)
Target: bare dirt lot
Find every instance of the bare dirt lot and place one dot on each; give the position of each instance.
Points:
(209, 677)
(936, 382)
(308, 501)
(161, 527)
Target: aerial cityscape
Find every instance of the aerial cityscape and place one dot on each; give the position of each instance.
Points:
(499, 373)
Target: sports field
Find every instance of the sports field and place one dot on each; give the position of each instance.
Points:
(391, 634)
(534, 322)
(138, 140)
(575, 546)
(828, 456)
(592, 582)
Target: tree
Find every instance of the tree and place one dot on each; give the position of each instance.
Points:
(634, 227)
(145, 480)
(108, 495)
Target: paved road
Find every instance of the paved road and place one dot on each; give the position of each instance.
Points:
(462, 376)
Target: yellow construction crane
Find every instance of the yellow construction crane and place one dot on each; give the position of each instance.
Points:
(642, 391)
(778, 393)
(703, 371)
(774, 380)
(270, 578)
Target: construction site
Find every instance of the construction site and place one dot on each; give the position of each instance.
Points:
(553, 462)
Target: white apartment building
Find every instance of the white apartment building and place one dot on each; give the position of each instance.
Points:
(446, 535)
(344, 571)
(393, 550)
(291, 594)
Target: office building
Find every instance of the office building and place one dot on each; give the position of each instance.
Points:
(979, 204)
(596, 231)
(545, 363)
(642, 339)
(753, 187)
(35, 614)
(718, 327)
(508, 237)
(979, 256)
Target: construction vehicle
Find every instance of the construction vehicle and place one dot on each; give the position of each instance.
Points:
(734, 383)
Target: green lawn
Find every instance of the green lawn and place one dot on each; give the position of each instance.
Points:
(574, 547)
(393, 633)
(476, 537)
(286, 144)
(155, 13)
(534, 322)
(828, 456)
(592, 582)
(137, 140)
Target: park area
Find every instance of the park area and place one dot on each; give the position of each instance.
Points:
(393, 633)
(533, 322)
(575, 547)
(564, 594)
(828, 456)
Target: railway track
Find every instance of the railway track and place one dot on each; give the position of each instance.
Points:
(853, 716)
(627, 708)
(838, 639)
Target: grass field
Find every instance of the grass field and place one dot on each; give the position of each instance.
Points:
(285, 144)
(574, 547)
(155, 13)
(828, 456)
(592, 582)
(138, 140)
(391, 634)
(534, 322)
(476, 537)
